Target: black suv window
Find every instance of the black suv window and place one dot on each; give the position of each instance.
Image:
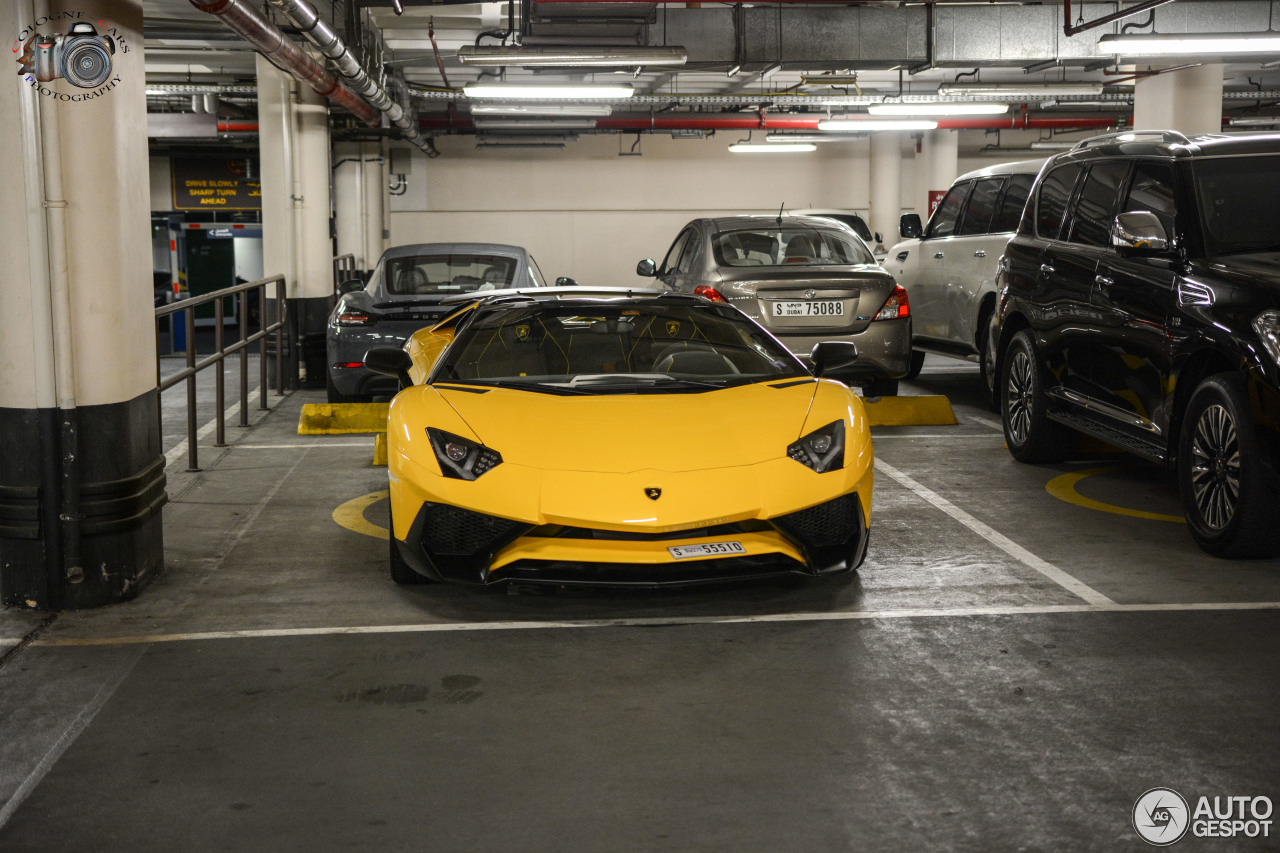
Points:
(943, 221)
(1238, 202)
(1051, 201)
(1096, 206)
(1015, 199)
(981, 207)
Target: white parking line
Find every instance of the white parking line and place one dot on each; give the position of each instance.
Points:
(657, 621)
(179, 450)
(948, 436)
(1004, 543)
(986, 422)
(319, 443)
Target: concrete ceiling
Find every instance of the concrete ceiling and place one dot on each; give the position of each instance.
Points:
(879, 49)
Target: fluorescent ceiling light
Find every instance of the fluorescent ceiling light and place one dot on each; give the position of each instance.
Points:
(527, 139)
(539, 56)
(995, 90)
(870, 124)
(1052, 146)
(771, 148)
(814, 137)
(541, 109)
(1189, 44)
(535, 124)
(1255, 122)
(545, 146)
(938, 109)
(510, 92)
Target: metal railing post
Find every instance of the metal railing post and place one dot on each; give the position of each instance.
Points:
(281, 309)
(193, 463)
(243, 304)
(219, 379)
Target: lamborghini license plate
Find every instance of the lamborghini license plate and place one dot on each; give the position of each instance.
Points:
(819, 308)
(707, 549)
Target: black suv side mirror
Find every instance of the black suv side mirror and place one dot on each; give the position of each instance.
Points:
(1139, 231)
(390, 361)
(647, 268)
(832, 355)
(909, 226)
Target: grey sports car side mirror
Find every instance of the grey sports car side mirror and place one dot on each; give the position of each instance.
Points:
(832, 355)
(350, 285)
(565, 281)
(647, 268)
(390, 361)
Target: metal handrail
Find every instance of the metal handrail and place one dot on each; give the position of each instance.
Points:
(188, 373)
(343, 264)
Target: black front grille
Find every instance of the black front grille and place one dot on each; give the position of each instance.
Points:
(831, 523)
(449, 531)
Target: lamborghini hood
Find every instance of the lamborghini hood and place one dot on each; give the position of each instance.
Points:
(621, 433)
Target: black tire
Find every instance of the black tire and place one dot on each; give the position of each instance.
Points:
(987, 360)
(880, 388)
(336, 396)
(917, 362)
(1230, 508)
(1030, 435)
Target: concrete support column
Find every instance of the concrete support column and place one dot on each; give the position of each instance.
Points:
(377, 237)
(358, 186)
(941, 167)
(81, 473)
(293, 144)
(886, 183)
(1188, 101)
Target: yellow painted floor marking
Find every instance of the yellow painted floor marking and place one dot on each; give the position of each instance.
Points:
(351, 515)
(1064, 489)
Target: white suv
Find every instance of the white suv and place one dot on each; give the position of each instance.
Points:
(949, 268)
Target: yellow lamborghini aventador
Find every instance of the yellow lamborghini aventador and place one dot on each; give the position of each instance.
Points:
(573, 436)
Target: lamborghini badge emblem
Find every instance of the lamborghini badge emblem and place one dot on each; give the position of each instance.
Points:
(522, 333)
(653, 493)
(673, 328)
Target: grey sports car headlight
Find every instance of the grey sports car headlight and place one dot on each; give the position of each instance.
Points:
(461, 458)
(822, 450)
(1267, 325)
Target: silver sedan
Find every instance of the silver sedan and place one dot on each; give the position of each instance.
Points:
(406, 292)
(806, 279)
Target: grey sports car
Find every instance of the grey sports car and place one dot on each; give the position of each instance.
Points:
(405, 293)
(806, 279)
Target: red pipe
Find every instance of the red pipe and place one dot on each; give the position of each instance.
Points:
(746, 122)
(773, 122)
(268, 40)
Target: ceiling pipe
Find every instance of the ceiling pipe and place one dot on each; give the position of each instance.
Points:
(744, 121)
(1073, 29)
(268, 40)
(317, 31)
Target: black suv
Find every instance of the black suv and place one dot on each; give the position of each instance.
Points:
(1140, 304)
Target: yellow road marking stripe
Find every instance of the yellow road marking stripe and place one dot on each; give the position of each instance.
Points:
(1063, 488)
(351, 515)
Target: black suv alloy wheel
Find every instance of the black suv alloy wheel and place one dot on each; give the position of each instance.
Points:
(1031, 436)
(1229, 508)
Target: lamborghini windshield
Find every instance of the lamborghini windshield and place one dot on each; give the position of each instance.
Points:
(620, 346)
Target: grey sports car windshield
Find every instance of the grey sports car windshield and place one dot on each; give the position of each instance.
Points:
(615, 347)
(788, 246)
(1237, 203)
(449, 273)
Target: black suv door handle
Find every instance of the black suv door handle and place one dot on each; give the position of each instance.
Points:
(1103, 282)
(981, 253)
(938, 256)
(1047, 269)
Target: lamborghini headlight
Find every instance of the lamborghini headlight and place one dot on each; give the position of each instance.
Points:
(822, 450)
(460, 458)
(1267, 325)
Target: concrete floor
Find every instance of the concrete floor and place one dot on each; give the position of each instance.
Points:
(1007, 671)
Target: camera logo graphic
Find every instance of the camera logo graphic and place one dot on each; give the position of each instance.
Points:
(1161, 817)
(80, 55)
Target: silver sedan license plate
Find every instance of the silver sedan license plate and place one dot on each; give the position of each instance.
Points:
(812, 308)
(707, 549)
